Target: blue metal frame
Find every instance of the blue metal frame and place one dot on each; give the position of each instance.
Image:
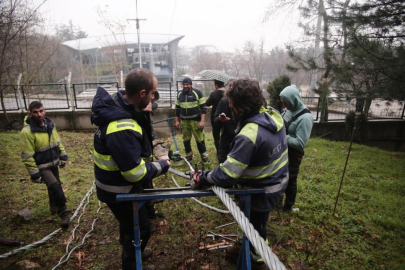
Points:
(244, 261)
(139, 200)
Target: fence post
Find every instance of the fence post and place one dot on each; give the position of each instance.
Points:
(122, 79)
(19, 93)
(69, 87)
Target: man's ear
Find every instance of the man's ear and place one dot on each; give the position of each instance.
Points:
(142, 93)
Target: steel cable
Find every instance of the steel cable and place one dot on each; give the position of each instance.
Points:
(49, 236)
(77, 225)
(203, 204)
(83, 239)
(258, 242)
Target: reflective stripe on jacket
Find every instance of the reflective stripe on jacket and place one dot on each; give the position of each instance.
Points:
(41, 147)
(258, 159)
(122, 144)
(190, 105)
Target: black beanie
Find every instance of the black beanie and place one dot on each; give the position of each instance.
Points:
(187, 80)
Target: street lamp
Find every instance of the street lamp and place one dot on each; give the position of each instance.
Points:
(97, 62)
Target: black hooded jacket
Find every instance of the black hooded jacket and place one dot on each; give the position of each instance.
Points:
(121, 143)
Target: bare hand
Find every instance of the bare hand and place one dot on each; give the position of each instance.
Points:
(149, 107)
(201, 125)
(177, 124)
(223, 118)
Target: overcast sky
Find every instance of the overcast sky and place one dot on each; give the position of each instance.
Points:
(226, 24)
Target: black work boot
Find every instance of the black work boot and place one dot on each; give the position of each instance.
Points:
(65, 221)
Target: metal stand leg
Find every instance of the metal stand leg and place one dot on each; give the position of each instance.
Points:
(170, 121)
(137, 234)
(244, 261)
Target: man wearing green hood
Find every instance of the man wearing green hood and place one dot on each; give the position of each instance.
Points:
(298, 123)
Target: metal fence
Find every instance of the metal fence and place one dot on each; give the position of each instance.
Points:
(379, 109)
(313, 105)
(10, 98)
(384, 109)
(167, 97)
(339, 108)
(83, 93)
(54, 96)
(57, 97)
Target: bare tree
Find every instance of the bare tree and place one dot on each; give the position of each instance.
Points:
(19, 21)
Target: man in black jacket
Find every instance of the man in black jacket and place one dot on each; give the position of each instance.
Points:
(122, 142)
(213, 100)
(224, 119)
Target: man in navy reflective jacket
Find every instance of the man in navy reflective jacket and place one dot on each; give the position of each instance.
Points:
(258, 157)
(121, 144)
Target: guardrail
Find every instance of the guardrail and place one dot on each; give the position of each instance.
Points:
(59, 97)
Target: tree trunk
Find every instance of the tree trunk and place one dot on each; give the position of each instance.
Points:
(3, 106)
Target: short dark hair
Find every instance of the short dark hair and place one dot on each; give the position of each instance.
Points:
(245, 95)
(137, 80)
(35, 105)
(219, 83)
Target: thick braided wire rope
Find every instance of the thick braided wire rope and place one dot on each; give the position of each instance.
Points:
(203, 204)
(49, 236)
(259, 244)
(84, 238)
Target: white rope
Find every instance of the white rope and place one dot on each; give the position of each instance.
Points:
(49, 236)
(259, 243)
(203, 204)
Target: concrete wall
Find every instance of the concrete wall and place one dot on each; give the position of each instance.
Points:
(386, 134)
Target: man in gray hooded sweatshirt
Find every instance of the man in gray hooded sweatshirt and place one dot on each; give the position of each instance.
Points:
(298, 122)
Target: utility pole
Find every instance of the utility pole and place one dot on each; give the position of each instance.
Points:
(137, 30)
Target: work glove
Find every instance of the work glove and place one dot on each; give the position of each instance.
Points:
(37, 180)
(62, 163)
(160, 151)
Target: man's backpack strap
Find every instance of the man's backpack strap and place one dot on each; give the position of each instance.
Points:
(287, 124)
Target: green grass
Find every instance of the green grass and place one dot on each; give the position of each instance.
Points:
(367, 230)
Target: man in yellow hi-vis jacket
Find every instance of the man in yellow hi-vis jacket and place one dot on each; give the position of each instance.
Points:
(190, 117)
(42, 152)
